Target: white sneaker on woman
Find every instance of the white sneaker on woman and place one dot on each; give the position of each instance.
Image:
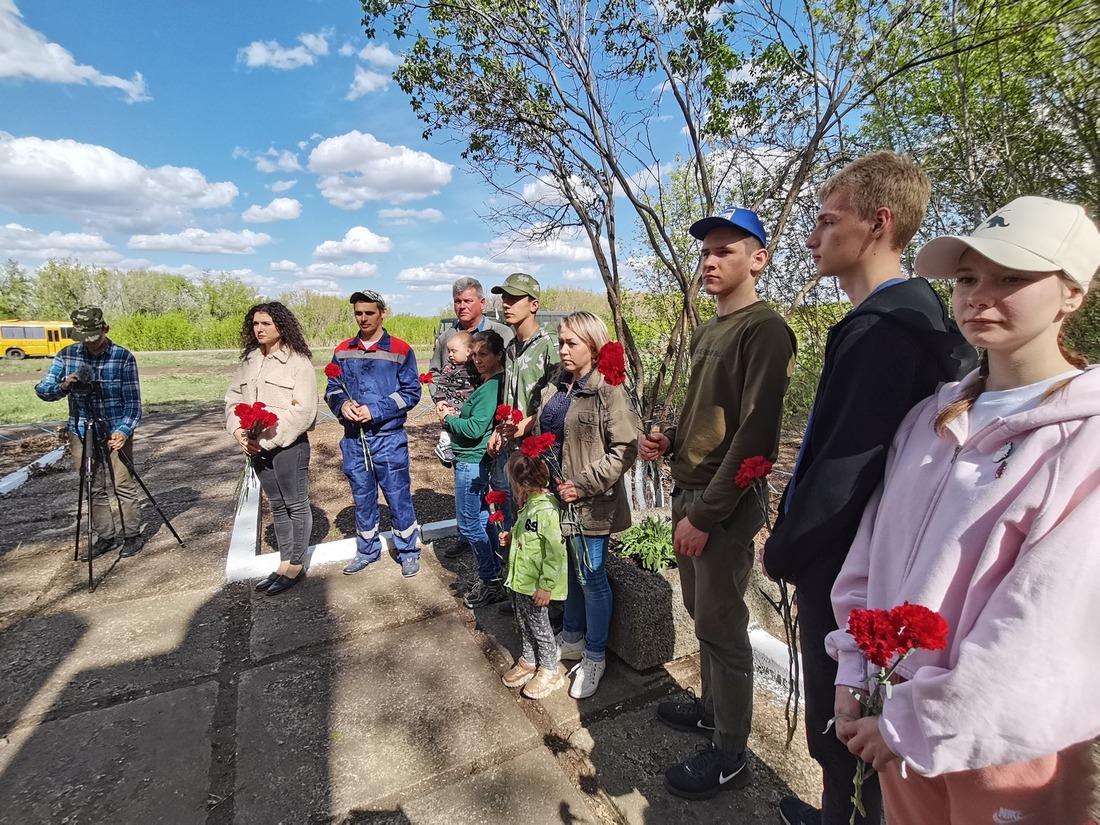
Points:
(586, 679)
(569, 651)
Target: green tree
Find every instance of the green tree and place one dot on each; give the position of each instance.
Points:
(16, 292)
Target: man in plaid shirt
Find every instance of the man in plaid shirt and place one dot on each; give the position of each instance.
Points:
(100, 379)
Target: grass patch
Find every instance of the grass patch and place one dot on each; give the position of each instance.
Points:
(174, 389)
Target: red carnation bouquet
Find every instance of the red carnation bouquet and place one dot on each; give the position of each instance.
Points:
(508, 415)
(253, 419)
(611, 364)
(497, 500)
(334, 372)
(426, 378)
(886, 638)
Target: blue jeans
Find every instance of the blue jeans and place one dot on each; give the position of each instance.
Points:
(499, 479)
(588, 605)
(472, 514)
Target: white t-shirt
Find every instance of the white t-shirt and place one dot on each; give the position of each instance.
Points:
(991, 405)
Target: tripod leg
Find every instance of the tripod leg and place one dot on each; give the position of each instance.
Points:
(80, 498)
(133, 472)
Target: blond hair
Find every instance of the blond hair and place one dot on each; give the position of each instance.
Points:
(884, 179)
(590, 328)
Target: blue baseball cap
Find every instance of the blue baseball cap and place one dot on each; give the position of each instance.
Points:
(744, 219)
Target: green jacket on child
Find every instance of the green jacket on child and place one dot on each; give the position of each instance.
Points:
(537, 560)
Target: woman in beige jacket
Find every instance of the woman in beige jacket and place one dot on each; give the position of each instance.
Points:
(596, 442)
(276, 369)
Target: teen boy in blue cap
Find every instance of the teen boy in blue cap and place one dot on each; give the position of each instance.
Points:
(741, 362)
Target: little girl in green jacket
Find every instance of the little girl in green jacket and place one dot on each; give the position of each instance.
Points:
(537, 573)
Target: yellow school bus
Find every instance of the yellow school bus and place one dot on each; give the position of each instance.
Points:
(23, 339)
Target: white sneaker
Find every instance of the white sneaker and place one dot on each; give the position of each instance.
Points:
(587, 677)
(569, 651)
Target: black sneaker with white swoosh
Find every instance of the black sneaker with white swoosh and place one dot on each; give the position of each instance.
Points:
(707, 773)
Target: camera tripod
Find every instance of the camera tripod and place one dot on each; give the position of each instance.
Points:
(96, 456)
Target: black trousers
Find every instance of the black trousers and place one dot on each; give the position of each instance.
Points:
(838, 765)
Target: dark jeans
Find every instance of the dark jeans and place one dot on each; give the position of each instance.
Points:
(284, 476)
(838, 765)
(714, 585)
(103, 495)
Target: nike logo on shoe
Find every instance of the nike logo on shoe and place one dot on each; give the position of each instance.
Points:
(700, 724)
(723, 779)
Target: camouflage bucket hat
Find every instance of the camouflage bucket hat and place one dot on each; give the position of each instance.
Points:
(88, 323)
(519, 283)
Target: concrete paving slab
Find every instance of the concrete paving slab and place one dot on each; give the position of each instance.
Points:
(67, 661)
(373, 722)
(143, 761)
(620, 683)
(329, 605)
(530, 788)
(630, 753)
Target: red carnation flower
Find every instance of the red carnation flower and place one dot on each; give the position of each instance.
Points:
(536, 445)
(425, 378)
(751, 469)
(516, 416)
(496, 498)
(255, 418)
(919, 627)
(503, 411)
(496, 517)
(611, 363)
(332, 370)
(875, 635)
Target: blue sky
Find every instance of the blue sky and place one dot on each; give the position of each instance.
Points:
(264, 139)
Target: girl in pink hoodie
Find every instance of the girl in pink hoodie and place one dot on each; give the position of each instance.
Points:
(988, 515)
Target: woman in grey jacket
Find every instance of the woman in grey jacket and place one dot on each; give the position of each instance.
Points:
(276, 370)
(596, 441)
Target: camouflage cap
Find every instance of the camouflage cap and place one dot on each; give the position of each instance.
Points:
(88, 323)
(518, 283)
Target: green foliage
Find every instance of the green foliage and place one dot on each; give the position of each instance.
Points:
(16, 292)
(1082, 330)
(650, 543)
(414, 329)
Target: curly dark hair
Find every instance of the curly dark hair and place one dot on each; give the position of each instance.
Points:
(290, 331)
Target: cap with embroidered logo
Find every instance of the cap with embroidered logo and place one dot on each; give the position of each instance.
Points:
(744, 219)
(1031, 234)
(517, 284)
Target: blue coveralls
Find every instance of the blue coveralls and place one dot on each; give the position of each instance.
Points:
(383, 378)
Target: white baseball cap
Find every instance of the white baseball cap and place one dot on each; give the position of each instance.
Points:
(1030, 234)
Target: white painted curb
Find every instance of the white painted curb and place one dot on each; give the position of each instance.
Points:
(14, 480)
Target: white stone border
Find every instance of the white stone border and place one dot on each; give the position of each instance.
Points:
(14, 480)
(243, 562)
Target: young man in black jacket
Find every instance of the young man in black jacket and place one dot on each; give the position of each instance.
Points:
(894, 348)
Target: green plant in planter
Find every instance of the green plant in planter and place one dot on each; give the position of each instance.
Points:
(650, 543)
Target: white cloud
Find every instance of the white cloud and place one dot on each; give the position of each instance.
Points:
(271, 160)
(585, 273)
(366, 82)
(356, 168)
(280, 209)
(222, 242)
(359, 269)
(358, 241)
(326, 286)
(347, 50)
(282, 186)
(18, 241)
(452, 269)
(285, 266)
(523, 248)
(270, 53)
(379, 56)
(25, 52)
(404, 217)
(95, 185)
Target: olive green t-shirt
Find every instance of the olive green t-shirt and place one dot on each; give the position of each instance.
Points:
(741, 364)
